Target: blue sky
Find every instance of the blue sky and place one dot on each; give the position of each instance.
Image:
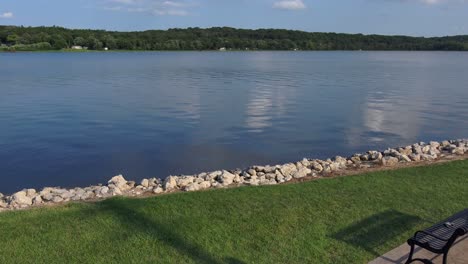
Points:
(391, 17)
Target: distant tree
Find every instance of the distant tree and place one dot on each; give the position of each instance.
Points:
(12, 39)
(94, 43)
(217, 37)
(79, 41)
(110, 42)
(58, 42)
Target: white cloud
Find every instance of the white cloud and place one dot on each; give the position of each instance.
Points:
(152, 7)
(433, 2)
(6, 15)
(290, 4)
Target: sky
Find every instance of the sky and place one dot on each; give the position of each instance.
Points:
(389, 17)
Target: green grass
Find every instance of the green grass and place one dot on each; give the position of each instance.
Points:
(344, 220)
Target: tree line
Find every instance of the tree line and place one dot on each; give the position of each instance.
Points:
(57, 38)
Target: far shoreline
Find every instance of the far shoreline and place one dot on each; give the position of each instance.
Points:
(217, 51)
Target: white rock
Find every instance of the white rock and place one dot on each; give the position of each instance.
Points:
(185, 181)
(170, 183)
(37, 200)
(213, 175)
(145, 183)
(252, 172)
(405, 158)
(57, 199)
(31, 193)
(415, 157)
(302, 172)
(192, 187)
(288, 169)
(458, 151)
(21, 198)
(116, 191)
(389, 161)
(3, 204)
(48, 196)
(104, 190)
(226, 178)
(119, 182)
(158, 190)
(204, 185)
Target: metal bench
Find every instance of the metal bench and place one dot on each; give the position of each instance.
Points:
(439, 238)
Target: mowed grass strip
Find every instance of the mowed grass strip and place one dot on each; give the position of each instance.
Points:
(341, 220)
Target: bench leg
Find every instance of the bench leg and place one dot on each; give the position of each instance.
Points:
(410, 257)
(445, 257)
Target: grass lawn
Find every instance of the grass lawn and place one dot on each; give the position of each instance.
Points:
(343, 220)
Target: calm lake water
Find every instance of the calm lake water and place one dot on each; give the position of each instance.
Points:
(75, 119)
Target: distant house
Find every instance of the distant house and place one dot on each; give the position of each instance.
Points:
(76, 47)
(106, 48)
(222, 49)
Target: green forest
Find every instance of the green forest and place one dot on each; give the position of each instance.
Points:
(19, 38)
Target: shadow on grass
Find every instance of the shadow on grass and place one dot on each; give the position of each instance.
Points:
(377, 229)
(129, 216)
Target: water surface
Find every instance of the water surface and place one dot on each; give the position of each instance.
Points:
(74, 119)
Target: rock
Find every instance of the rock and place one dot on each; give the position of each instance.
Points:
(305, 162)
(340, 161)
(354, 159)
(158, 190)
(389, 161)
(153, 182)
(57, 199)
(417, 149)
(66, 195)
(252, 172)
(30, 193)
(213, 175)
(415, 157)
(405, 158)
(204, 185)
(335, 166)
(131, 184)
(288, 169)
(326, 169)
(427, 157)
(426, 149)
(116, 191)
(47, 196)
(87, 195)
(280, 178)
(21, 198)
(119, 182)
(375, 155)
(434, 144)
(3, 204)
(145, 183)
(104, 190)
(238, 178)
(226, 178)
(184, 181)
(458, 151)
(170, 183)
(46, 190)
(269, 169)
(364, 157)
(302, 172)
(445, 143)
(37, 200)
(318, 167)
(192, 187)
